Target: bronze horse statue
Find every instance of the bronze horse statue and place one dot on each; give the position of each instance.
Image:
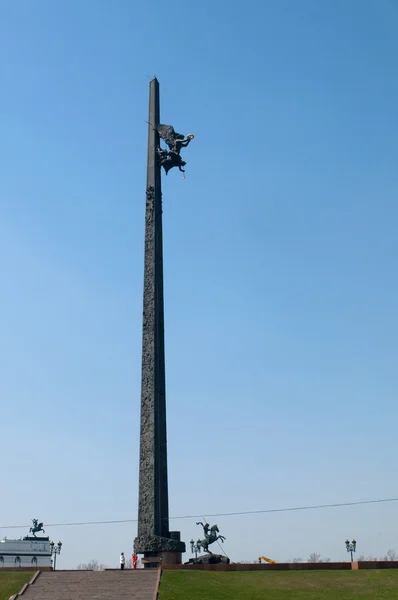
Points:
(210, 537)
(36, 527)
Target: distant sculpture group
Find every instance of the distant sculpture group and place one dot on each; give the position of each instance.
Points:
(175, 141)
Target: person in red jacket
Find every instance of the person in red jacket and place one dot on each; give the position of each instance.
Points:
(134, 560)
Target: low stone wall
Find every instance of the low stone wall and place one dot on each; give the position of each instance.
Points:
(329, 566)
(378, 564)
(263, 567)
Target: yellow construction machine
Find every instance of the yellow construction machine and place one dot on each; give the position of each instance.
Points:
(268, 560)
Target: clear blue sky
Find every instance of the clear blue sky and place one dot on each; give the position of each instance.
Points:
(280, 268)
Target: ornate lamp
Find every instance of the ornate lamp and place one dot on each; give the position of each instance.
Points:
(55, 549)
(351, 548)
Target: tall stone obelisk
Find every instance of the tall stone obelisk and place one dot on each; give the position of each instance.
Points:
(154, 538)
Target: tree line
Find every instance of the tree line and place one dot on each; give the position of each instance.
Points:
(315, 558)
(318, 558)
(94, 565)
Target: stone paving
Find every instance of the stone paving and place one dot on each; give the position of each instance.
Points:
(94, 585)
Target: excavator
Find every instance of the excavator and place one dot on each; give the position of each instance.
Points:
(268, 560)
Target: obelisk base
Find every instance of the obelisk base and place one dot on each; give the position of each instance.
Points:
(166, 551)
(171, 558)
(154, 544)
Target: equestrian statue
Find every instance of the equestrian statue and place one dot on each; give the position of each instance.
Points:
(211, 536)
(36, 527)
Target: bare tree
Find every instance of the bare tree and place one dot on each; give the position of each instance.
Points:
(93, 565)
(317, 558)
(314, 558)
(391, 555)
(297, 560)
(244, 562)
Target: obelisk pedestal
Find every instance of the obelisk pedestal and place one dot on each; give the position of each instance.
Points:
(154, 538)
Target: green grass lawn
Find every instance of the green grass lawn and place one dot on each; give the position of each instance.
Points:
(12, 581)
(280, 585)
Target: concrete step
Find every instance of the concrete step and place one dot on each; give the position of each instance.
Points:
(94, 585)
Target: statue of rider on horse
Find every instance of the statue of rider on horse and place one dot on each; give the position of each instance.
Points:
(36, 527)
(211, 536)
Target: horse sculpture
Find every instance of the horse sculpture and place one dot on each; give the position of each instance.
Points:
(210, 537)
(36, 527)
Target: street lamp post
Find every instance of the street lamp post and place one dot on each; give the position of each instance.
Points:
(351, 548)
(55, 549)
(194, 548)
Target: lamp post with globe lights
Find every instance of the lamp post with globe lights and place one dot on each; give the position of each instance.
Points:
(195, 548)
(55, 549)
(351, 548)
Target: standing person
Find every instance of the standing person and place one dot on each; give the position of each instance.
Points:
(134, 560)
(122, 561)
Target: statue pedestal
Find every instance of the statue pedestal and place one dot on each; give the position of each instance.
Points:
(209, 559)
(33, 552)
